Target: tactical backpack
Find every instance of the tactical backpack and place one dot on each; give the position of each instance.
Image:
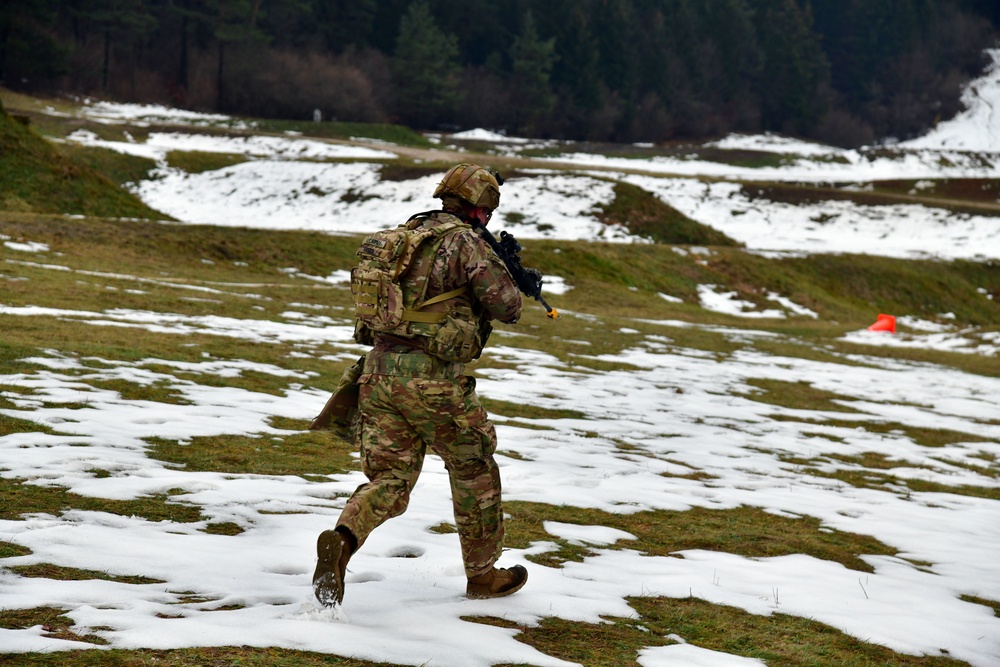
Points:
(385, 258)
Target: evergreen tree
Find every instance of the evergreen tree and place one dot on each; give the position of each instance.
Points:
(792, 96)
(482, 28)
(27, 49)
(346, 23)
(576, 68)
(575, 73)
(181, 20)
(671, 70)
(532, 59)
(618, 37)
(236, 23)
(729, 25)
(292, 24)
(121, 23)
(425, 69)
(849, 70)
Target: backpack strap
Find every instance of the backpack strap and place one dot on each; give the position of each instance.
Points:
(414, 314)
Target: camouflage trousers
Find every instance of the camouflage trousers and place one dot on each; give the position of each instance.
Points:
(409, 403)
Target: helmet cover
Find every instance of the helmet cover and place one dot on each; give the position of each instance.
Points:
(471, 183)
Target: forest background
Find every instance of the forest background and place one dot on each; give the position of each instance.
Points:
(844, 72)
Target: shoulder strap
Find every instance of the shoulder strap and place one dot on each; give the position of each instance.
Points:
(414, 314)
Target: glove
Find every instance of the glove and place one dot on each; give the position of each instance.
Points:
(530, 282)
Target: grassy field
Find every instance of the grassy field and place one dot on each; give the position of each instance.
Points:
(97, 261)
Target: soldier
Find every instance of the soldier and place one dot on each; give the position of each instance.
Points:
(413, 392)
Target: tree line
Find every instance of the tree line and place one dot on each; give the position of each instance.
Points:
(848, 72)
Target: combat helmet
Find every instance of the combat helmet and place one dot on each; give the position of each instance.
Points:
(471, 183)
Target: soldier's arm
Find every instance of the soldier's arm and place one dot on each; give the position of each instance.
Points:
(490, 281)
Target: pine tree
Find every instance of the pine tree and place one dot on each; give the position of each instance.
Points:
(27, 48)
(425, 69)
(795, 69)
(532, 59)
(577, 64)
(120, 23)
(235, 22)
(228, 25)
(346, 23)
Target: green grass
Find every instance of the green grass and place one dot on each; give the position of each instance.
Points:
(157, 392)
(18, 497)
(49, 571)
(985, 190)
(118, 167)
(744, 158)
(923, 436)
(747, 531)
(867, 479)
(618, 285)
(645, 215)
(54, 622)
(10, 424)
(243, 656)
(797, 395)
(528, 411)
(196, 162)
(108, 264)
(963, 196)
(29, 165)
(780, 640)
(992, 604)
(11, 550)
(307, 452)
(394, 134)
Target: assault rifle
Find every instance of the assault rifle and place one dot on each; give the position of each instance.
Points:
(529, 281)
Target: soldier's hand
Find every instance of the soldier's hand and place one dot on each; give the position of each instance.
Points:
(536, 279)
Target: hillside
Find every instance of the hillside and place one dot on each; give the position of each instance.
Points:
(37, 177)
(847, 72)
(708, 459)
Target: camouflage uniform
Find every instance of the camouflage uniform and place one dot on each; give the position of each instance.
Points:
(410, 400)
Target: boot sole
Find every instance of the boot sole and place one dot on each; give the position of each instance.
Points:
(328, 580)
(473, 595)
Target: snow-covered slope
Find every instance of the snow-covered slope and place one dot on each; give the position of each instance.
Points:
(669, 412)
(296, 183)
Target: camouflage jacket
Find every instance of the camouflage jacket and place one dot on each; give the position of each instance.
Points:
(462, 259)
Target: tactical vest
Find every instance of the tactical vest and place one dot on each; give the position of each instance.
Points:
(386, 258)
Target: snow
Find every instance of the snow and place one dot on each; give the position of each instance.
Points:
(301, 183)
(669, 412)
(147, 114)
(684, 410)
(31, 246)
(158, 144)
(686, 655)
(479, 134)
(977, 128)
(772, 143)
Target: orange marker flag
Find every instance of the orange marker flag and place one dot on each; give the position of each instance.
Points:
(884, 323)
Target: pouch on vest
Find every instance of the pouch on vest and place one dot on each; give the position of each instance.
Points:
(462, 335)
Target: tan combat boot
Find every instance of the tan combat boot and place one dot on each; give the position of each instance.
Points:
(333, 550)
(496, 583)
